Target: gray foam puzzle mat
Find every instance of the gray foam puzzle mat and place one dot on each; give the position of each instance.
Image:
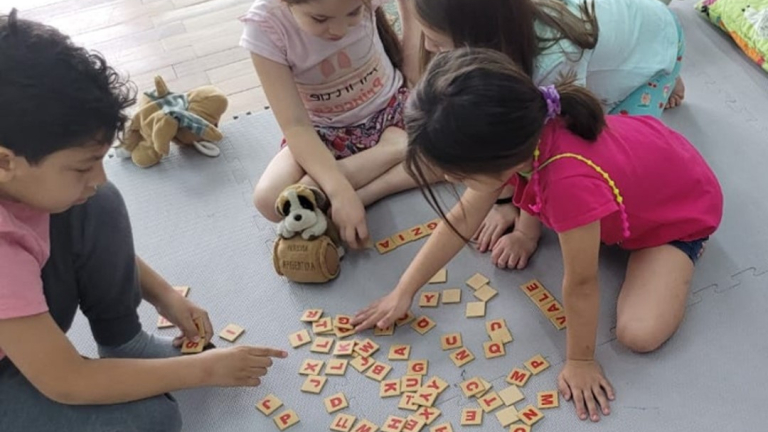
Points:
(194, 222)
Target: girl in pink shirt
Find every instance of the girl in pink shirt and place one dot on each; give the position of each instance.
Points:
(627, 181)
(330, 70)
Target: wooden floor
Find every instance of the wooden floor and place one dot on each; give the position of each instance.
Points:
(188, 42)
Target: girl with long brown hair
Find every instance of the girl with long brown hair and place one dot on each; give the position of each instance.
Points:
(331, 72)
(626, 52)
(620, 180)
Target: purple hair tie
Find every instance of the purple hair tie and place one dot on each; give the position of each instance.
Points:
(553, 101)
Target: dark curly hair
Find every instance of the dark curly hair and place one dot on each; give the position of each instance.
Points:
(55, 95)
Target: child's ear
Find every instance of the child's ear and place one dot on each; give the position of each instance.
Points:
(7, 164)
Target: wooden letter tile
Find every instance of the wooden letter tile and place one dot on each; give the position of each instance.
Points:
(389, 331)
(503, 336)
(361, 364)
(342, 333)
(378, 371)
(495, 325)
(311, 367)
(365, 426)
(190, 347)
(425, 397)
(475, 309)
(437, 384)
(531, 288)
(286, 419)
(428, 414)
(343, 322)
(548, 399)
(429, 299)
(471, 387)
(471, 417)
(511, 395)
(486, 387)
(520, 428)
(336, 367)
(322, 326)
(490, 401)
(462, 356)
(405, 319)
(389, 388)
(493, 349)
(452, 296)
(314, 384)
(402, 237)
(162, 322)
(344, 348)
(442, 427)
(507, 416)
(413, 424)
(559, 321)
(537, 364)
(343, 423)
(423, 325)
(542, 297)
(419, 231)
(231, 332)
(440, 277)
(485, 293)
(417, 367)
(552, 309)
(530, 415)
(518, 377)
(432, 225)
(410, 383)
(386, 245)
(451, 341)
(311, 315)
(366, 348)
(269, 404)
(299, 338)
(322, 345)
(393, 424)
(407, 402)
(477, 281)
(399, 352)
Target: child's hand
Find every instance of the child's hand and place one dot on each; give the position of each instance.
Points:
(238, 366)
(584, 382)
(349, 214)
(499, 219)
(513, 250)
(183, 313)
(383, 312)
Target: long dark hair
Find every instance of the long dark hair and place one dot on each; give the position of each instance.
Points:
(387, 34)
(476, 112)
(508, 26)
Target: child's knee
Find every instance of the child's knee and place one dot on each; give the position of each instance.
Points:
(158, 413)
(264, 197)
(638, 336)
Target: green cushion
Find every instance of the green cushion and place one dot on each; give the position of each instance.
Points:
(746, 21)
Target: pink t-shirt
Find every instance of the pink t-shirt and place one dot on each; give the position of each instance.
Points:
(669, 191)
(342, 83)
(24, 249)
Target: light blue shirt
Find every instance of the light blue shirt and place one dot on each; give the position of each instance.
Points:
(637, 39)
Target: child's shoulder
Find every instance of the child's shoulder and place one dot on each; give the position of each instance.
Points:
(24, 227)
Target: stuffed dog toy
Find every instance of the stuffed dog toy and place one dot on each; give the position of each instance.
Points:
(308, 248)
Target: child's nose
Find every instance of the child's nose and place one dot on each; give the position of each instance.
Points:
(338, 30)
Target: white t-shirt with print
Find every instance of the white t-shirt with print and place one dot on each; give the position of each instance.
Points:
(342, 83)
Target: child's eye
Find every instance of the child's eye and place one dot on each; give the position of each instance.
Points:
(355, 12)
(319, 20)
(83, 170)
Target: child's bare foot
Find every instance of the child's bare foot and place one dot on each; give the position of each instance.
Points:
(678, 94)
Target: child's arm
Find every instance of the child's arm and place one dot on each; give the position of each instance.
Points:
(411, 40)
(174, 307)
(582, 377)
(48, 360)
(442, 245)
(307, 148)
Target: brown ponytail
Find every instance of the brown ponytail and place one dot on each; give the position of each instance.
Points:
(581, 111)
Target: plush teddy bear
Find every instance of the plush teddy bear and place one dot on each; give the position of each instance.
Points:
(163, 116)
(308, 248)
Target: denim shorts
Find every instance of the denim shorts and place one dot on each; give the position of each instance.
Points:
(694, 249)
